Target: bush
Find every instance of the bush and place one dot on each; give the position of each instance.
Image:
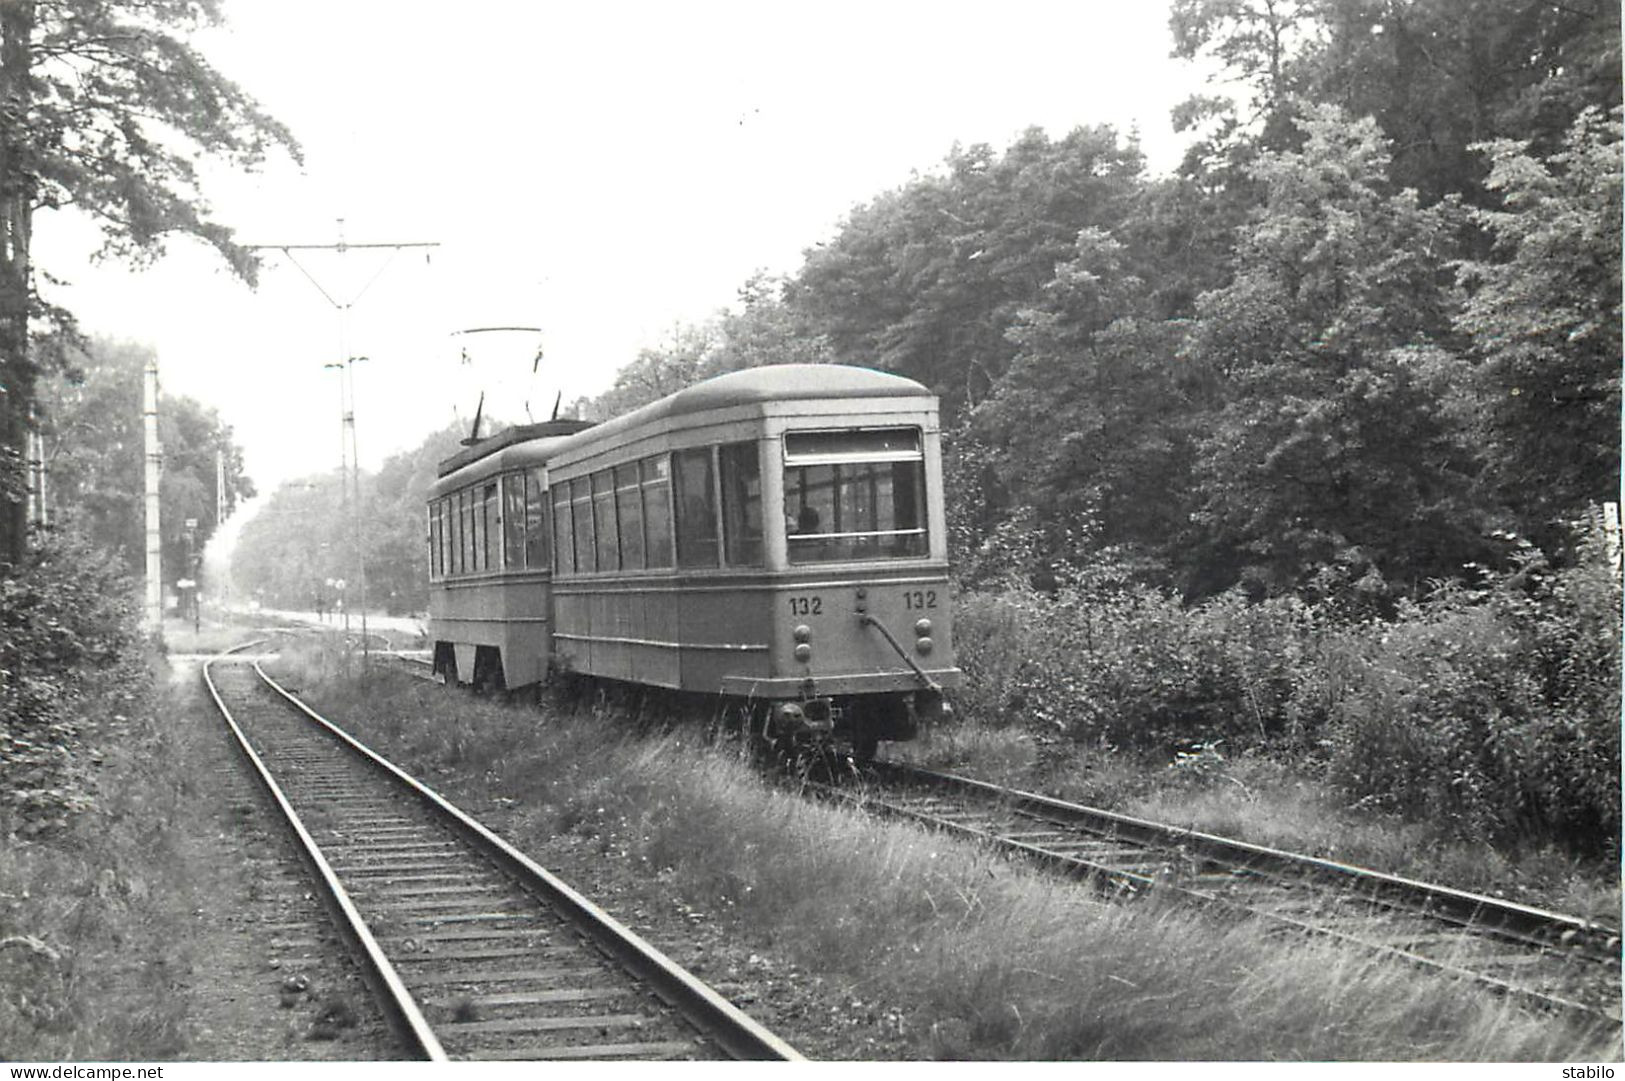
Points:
(1495, 708)
(998, 639)
(67, 618)
(1412, 732)
(1491, 709)
(1133, 667)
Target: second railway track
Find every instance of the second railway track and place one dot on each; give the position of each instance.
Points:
(1547, 959)
(478, 953)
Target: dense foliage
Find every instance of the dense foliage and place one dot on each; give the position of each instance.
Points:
(95, 453)
(68, 625)
(926, 280)
(1374, 317)
(1489, 707)
(105, 109)
(764, 330)
(1495, 709)
(1543, 320)
(304, 537)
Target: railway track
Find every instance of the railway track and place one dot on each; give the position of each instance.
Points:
(473, 950)
(1544, 958)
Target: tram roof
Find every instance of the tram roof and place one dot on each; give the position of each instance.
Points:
(555, 430)
(770, 383)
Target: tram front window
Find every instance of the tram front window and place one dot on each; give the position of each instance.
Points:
(852, 495)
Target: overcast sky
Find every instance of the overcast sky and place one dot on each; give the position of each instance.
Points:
(601, 171)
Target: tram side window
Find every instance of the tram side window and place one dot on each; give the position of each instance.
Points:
(742, 504)
(513, 519)
(465, 532)
(440, 537)
(564, 548)
(449, 540)
(657, 511)
(581, 507)
(448, 537)
(488, 531)
(433, 520)
(535, 520)
(629, 511)
(603, 519)
(696, 508)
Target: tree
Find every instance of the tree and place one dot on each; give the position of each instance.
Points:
(299, 540)
(397, 551)
(1333, 349)
(765, 330)
(304, 535)
(1544, 319)
(657, 371)
(95, 448)
(1260, 44)
(1091, 421)
(1475, 100)
(194, 440)
(925, 281)
(1439, 76)
(103, 108)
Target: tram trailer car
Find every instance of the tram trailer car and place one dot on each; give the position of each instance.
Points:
(773, 536)
(490, 567)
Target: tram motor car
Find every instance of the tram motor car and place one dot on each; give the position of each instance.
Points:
(773, 537)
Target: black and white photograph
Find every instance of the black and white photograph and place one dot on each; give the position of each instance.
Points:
(622, 536)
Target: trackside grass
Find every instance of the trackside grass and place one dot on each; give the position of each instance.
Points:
(978, 958)
(92, 934)
(158, 921)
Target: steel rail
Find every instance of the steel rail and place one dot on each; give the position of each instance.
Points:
(1535, 925)
(736, 1033)
(403, 1011)
(1181, 842)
